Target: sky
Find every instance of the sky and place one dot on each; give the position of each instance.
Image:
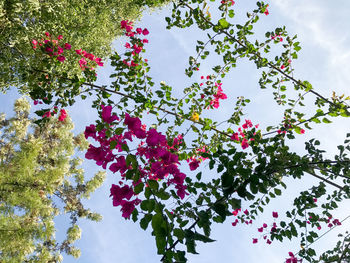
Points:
(322, 29)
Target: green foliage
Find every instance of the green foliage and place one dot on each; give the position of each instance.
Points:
(254, 175)
(87, 25)
(39, 174)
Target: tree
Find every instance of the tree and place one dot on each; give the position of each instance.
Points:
(249, 164)
(38, 175)
(92, 25)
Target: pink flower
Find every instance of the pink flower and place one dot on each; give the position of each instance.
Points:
(145, 40)
(235, 137)
(34, 42)
(132, 123)
(127, 209)
(61, 58)
(302, 131)
(106, 114)
(261, 229)
(235, 212)
(235, 222)
(82, 63)
(48, 50)
(246, 212)
(194, 165)
(255, 240)
(264, 225)
(78, 51)
(98, 61)
(47, 114)
(181, 191)
(60, 37)
(154, 138)
(275, 214)
(63, 115)
(145, 32)
(245, 144)
(59, 50)
(138, 30)
(47, 34)
(266, 12)
(67, 46)
(90, 131)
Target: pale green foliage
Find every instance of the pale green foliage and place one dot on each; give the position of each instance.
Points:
(90, 25)
(38, 173)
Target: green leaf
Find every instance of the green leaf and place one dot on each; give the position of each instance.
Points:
(153, 184)
(144, 222)
(277, 191)
(125, 147)
(325, 120)
(113, 144)
(138, 188)
(220, 209)
(202, 238)
(119, 131)
(180, 234)
(223, 23)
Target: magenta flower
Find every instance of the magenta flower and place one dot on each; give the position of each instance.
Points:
(154, 138)
(90, 131)
(106, 114)
(63, 115)
(275, 214)
(127, 209)
(67, 46)
(145, 32)
(245, 144)
(133, 124)
(194, 165)
(61, 58)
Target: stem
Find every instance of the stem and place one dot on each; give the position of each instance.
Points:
(192, 226)
(258, 55)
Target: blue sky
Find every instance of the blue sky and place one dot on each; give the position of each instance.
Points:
(322, 29)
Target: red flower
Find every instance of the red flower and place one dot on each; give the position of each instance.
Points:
(275, 214)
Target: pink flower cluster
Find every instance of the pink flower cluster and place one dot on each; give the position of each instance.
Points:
(160, 162)
(62, 116)
(292, 258)
(277, 37)
(51, 46)
(90, 63)
(194, 161)
(235, 213)
(219, 95)
(266, 12)
(231, 2)
(136, 43)
(240, 136)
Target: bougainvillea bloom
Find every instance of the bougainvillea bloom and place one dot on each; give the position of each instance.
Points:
(63, 115)
(275, 214)
(106, 114)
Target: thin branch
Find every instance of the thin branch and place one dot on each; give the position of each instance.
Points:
(258, 55)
